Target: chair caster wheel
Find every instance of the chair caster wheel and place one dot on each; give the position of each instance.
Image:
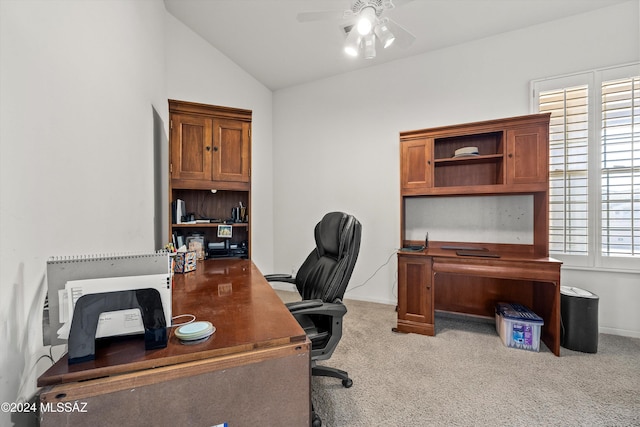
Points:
(347, 383)
(316, 421)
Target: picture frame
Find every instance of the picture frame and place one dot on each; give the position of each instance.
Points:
(196, 244)
(225, 231)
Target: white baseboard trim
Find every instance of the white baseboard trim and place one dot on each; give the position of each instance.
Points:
(365, 299)
(620, 332)
(282, 286)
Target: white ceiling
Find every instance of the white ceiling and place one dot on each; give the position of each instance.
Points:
(265, 38)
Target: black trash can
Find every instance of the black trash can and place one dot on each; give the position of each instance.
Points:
(579, 313)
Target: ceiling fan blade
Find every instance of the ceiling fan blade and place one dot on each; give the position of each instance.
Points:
(398, 3)
(403, 37)
(322, 15)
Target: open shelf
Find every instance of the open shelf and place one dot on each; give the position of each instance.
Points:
(204, 204)
(490, 143)
(486, 168)
(211, 225)
(458, 161)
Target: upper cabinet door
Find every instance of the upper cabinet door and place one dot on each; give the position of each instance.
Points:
(231, 150)
(416, 164)
(191, 147)
(527, 155)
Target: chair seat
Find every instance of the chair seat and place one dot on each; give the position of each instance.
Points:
(317, 336)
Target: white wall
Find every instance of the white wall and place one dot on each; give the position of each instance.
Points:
(336, 140)
(84, 105)
(78, 84)
(84, 100)
(198, 72)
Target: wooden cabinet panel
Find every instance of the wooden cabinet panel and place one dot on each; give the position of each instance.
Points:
(415, 295)
(191, 145)
(231, 149)
(527, 155)
(416, 158)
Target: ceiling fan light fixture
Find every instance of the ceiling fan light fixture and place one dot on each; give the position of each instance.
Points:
(369, 42)
(366, 20)
(352, 44)
(383, 33)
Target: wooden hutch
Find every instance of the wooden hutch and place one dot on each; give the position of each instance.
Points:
(210, 170)
(471, 277)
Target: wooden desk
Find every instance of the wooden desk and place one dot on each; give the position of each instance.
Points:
(254, 370)
(439, 279)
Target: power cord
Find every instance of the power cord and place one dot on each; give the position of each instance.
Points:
(173, 325)
(374, 273)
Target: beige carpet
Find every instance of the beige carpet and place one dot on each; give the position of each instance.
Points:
(465, 376)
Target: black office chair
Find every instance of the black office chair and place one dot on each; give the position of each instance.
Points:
(321, 281)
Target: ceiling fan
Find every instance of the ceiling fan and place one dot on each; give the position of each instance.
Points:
(363, 23)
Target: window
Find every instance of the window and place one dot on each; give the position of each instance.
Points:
(621, 167)
(568, 168)
(594, 166)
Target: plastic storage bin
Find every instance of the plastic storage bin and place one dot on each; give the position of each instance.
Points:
(518, 326)
(579, 314)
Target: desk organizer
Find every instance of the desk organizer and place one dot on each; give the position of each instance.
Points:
(518, 326)
(185, 262)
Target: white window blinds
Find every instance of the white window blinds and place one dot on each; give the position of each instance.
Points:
(594, 170)
(568, 168)
(621, 167)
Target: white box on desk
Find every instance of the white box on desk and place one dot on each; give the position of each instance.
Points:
(518, 326)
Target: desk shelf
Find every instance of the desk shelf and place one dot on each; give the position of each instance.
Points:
(211, 225)
(469, 160)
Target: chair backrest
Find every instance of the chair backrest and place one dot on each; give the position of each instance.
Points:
(326, 272)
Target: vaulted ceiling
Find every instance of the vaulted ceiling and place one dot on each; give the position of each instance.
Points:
(265, 38)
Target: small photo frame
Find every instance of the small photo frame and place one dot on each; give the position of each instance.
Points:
(196, 244)
(225, 231)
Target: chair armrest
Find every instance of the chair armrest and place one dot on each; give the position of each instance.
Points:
(280, 278)
(317, 307)
(302, 305)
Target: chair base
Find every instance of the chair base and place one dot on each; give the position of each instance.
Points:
(325, 371)
(316, 421)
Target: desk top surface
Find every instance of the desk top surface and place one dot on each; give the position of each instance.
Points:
(232, 294)
(502, 252)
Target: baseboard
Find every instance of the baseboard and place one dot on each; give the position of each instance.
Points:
(282, 286)
(620, 332)
(365, 299)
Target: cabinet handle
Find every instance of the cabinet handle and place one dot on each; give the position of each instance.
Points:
(428, 162)
(510, 155)
(208, 148)
(215, 148)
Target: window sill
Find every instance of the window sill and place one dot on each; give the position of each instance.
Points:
(601, 269)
